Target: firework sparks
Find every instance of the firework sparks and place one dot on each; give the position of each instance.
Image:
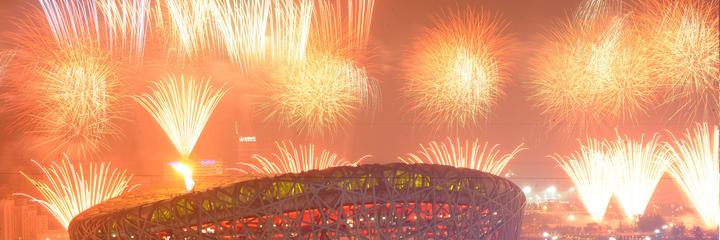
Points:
(75, 109)
(291, 160)
(113, 23)
(187, 173)
(592, 72)
(696, 169)
(242, 26)
(684, 52)
(592, 172)
(640, 165)
(319, 95)
(189, 25)
(455, 70)
(290, 29)
(359, 22)
(126, 22)
(5, 58)
(69, 191)
(474, 156)
(182, 107)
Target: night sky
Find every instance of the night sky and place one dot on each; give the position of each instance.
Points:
(144, 149)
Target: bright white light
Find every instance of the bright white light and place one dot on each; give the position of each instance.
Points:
(551, 190)
(545, 234)
(612, 238)
(527, 189)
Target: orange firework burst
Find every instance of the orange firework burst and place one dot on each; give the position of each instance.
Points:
(318, 96)
(75, 104)
(696, 169)
(592, 172)
(454, 73)
(291, 160)
(483, 158)
(592, 72)
(684, 52)
(69, 190)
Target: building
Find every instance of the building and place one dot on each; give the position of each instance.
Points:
(22, 219)
(371, 201)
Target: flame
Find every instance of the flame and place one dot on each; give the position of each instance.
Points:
(187, 172)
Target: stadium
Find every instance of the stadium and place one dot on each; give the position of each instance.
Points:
(390, 201)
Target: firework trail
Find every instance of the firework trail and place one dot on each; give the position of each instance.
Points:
(640, 165)
(100, 24)
(188, 25)
(360, 13)
(475, 156)
(592, 172)
(455, 69)
(318, 96)
(590, 73)
(242, 26)
(290, 29)
(341, 28)
(182, 107)
(5, 58)
(290, 159)
(684, 52)
(70, 190)
(696, 169)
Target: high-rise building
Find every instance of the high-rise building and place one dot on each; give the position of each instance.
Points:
(22, 219)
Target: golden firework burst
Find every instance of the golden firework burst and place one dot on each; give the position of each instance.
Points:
(454, 73)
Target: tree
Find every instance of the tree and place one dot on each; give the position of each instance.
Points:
(678, 231)
(698, 233)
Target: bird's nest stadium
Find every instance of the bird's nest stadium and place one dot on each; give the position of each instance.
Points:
(395, 201)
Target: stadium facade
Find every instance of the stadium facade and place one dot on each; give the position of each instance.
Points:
(366, 202)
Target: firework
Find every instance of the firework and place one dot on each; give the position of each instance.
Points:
(684, 52)
(100, 24)
(360, 14)
(290, 29)
(188, 25)
(640, 165)
(75, 109)
(474, 156)
(70, 190)
(242, 26)
(341, 29)
(182, 107)
(455, 70)
(187, 174)
(5, 58)
(592, 172)
(318, 96)
(289, 159)
(592, 72)
(696, 169)
(126, 22)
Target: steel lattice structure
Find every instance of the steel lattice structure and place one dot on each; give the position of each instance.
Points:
(366, 202)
